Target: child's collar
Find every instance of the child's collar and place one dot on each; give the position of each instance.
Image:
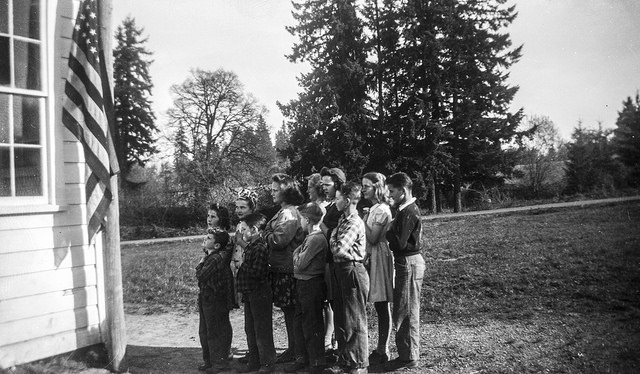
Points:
(406, 203)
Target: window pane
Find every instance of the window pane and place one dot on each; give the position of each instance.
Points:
(5, 174)
(26, 119)
(26, 18)
(28, 172)
(5, 62)
(4, 118)
(4, 16)
(27, 65)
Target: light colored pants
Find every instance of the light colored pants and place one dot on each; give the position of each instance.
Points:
(406, 305)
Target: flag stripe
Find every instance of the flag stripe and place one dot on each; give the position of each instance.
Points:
(87, 78)
(83, 112)
(99, 199)
(101, 171)
(92, 181)
(78, 119)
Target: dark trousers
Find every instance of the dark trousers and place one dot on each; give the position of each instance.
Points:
(406, 305)
(308, 321)
(215, 327)
(350, 313)
(258, 325)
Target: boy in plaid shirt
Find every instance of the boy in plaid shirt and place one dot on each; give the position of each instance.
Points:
(254, 284)
(348, 247)
(215, 301)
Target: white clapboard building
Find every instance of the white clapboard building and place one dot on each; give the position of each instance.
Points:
(53, 297)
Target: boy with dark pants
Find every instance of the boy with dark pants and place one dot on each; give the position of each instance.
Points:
(348, 247)
(404, 240)
(309, 261)
(215, 301)
(331, 180)
(253, 282)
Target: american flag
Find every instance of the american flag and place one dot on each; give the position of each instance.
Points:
(87, 94)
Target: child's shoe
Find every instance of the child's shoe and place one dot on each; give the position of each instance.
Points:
(204, 366)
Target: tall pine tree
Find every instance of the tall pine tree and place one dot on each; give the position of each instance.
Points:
(475, 57)
(440, 72)
(416, 85)
(591, 164)
(626, 139)
(329, 119)
(135, 121)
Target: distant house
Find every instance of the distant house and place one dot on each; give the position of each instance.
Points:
(52, 293)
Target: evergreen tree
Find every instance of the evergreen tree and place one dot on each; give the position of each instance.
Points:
(426, 90)
(440, 76)
(135, 121)
(329, 119)
(475, 58)
(591, 165)
(259, 169)
(407, 131)
(626, 138)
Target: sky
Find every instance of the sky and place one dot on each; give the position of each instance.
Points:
(581, 58)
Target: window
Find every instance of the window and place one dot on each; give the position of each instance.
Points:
(22, 100)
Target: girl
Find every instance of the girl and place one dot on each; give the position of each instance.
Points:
(379, 260)
(245, 205)
(217, 216)
(315, 191)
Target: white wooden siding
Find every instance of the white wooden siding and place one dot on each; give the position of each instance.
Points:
(51, 280)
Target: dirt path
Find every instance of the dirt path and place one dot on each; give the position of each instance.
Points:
(169, 343)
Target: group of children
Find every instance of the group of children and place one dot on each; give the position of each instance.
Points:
(334, 262)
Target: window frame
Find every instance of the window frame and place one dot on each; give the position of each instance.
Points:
(43, 96)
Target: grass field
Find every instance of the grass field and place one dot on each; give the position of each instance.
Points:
(554, 291)
(551, 291)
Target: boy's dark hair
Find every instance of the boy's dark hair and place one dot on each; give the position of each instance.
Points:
(291, 195)
(400, 180)
(223, 215)
(337, 176)
(220, 237)
(351, 190)
(312, 211)
(255, 219)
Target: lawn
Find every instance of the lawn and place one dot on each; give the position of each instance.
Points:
(548, 291)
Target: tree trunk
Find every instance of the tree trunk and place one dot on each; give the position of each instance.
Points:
(432, 188)
(457, 190)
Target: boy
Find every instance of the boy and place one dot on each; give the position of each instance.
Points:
(331, 180)
(404, 241)
(309, 261)
(253, 282)
(350, 291)
(215, 301)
